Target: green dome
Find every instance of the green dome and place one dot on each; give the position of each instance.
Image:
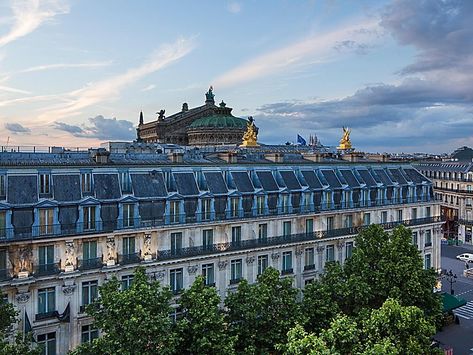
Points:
(219, 121)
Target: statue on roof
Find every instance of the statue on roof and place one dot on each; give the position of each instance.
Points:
(161, 115)
(345, 142)
(250, 137)
(209, 96)
(141, 118)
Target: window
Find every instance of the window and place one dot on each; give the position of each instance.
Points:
(260, 205)
(427, 212)
(206, 204)
(414, 213)
(307, 201)
(427, 261)
(3, 224)
(86, 182)
(262, 263)
(125, 182)
(236, 270)
(330, 223)
(262, 231)
(330, 253)
(128, 246)
(45, 256)
(48, 342)
(176, 243)
(89, 333)
(348, 250)
(89, 292)
(207, 238)
(174, 211)
(384, 217)
(399, 215)
(128, 215)
(234, 206)
(176, 280)
(309, 259)
(414, 238)
(236, 235)
(367, 218)
(46, 301)
(328, 199)
(284, 203)
(46, 221)
(126, 282)
(428, 238)
(89, 250)
(89, 217)
(287, 262)
(286, 228)
(3, 264)
(209, 274)
(309, 226)
(44, 183)
(3, 181)
(348, 221)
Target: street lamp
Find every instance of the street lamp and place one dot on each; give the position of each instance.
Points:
(451, 278)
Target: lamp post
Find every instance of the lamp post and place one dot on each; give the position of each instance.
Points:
(451, 278)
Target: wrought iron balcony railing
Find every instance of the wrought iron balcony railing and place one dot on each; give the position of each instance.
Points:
(129, 258)
(89, 264)
(47, 269)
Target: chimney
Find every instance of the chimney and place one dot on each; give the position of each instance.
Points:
(176, 157)
(316, 158)
(275, 157)
(101, 156)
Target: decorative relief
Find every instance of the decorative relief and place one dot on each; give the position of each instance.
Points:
(23, 297)
(222, 265)
(147, 244)
(320, 249)
(110, 248)
(192, 269)
(340, 245)
(275, 256)
(250, 259)
(68, 290)
(25, 256)
(70, 253)
(160, 275)
(299, 252)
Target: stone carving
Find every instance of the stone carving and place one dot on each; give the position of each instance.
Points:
(68, 290)
(345, 142)
(320, 249)
(25, 256)
(192, 269)
(275, 256)
(23, 297)
(147, 244)
(161, 115)
(222, 265)
(340, 245)
(250, 259)
(250, 137)
(70, 253)
(110, 248)
(160, 275)
(299, 252)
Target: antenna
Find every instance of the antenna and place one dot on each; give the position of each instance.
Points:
(8, 141)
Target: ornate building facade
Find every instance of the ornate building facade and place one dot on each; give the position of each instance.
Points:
(72, 220)
(200, 126)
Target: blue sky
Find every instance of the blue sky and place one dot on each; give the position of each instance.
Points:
(398, 72)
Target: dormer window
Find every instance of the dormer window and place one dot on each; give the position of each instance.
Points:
(260, 205)
(128, 215)
(3, 190)
(206, 209)
(234, 206)
(89, 217)
(174, 211)
(86, 182)
(44, 183)
(125, 182)
(46, 221)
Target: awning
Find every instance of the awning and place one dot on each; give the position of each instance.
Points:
(450, 302)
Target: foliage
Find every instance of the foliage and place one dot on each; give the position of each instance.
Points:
(260, 315)
(299, 342)
(202, 328)
(134, 321)
(21, 345)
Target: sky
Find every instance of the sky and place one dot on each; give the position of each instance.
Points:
(398, 73)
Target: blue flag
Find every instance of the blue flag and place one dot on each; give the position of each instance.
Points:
(301, 140)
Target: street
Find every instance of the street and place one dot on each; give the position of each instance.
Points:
(459, 336)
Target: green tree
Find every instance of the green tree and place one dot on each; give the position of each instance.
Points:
(299, 342)
(202, 327)
(133, 321)
(21, 345)
(260, 315)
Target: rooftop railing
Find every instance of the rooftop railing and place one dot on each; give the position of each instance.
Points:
(61, 230)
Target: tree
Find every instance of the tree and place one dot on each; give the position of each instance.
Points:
(22, 345)
(133, 321)
(260, 315)
(202, 327)
(299, 342)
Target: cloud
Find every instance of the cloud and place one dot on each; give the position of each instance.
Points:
(315, 46)
(148, 88)
(65, 66)
(101, 128)
(234, 7)
(16, 128)
(13, 90)
(28, 15)
(110, 88)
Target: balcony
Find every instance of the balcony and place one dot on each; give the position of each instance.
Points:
(90, 264)
(429, 244)
(47, 269)
(466, 221)
(5, 274)
(235, 281)
(309, 267)
(129, 258)
(287, 271)
(46, 315)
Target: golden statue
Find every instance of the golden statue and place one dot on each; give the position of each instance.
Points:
(345, 141)
(251, 135)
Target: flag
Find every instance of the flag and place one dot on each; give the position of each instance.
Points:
(27, 324)
(66, 316)
(301, 140)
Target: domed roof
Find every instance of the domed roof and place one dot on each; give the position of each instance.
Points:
(219, 121)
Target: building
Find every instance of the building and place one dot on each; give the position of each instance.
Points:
(200, 126)
(453, 186)
(72, 220)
